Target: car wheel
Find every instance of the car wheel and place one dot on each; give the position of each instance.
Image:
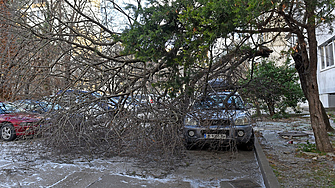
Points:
(249, 146)
(190, 146)
(8, 132)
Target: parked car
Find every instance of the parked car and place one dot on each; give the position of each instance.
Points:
(219, 119)
(83, 106)
(123, 102)
(36, 106)
(16, 121)
(74, 97)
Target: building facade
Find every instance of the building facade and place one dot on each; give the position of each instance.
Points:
(326, 69)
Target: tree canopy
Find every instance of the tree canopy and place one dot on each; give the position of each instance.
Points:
(192, 40)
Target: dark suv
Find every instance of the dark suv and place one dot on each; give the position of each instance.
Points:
(219, 119)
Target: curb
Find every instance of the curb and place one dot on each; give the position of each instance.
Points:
(270, 180)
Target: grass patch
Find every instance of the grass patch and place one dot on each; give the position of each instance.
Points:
(324, 175)
(309, 147)
(277, 173)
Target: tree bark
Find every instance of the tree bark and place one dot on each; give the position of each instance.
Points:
(318, 122)
(258, 109)
(329, 128)
(271, 108)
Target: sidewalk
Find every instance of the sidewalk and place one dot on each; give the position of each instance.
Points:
(289, 145)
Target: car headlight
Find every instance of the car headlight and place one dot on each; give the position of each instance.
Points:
(190, 121)
(243, 120)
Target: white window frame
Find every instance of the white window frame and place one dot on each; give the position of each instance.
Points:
(322, 52)
(327, 55)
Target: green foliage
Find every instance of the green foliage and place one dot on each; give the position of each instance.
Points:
(178, 36)
(161, 38)
(280, 115)
(308, 147)
(275, 86)
(253, 13)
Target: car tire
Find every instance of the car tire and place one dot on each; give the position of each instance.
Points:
(250, 145)
(190, 146)
(8, 132)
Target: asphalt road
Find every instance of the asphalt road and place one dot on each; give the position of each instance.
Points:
(24, 164)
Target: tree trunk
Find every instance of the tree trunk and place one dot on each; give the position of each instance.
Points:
(306, 68)
(271, 108)
(258, 109)
(271, 105)
(318, 122)
(329, 128)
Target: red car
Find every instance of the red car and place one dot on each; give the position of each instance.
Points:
(16, 122)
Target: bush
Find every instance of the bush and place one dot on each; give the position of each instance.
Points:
(275, 87)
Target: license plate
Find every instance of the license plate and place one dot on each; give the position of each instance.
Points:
(215, 136)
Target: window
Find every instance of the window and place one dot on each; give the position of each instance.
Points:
(322, 49)
(327, 55)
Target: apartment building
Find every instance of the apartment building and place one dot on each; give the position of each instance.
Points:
(326, 69)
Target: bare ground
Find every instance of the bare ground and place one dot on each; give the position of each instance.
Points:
(294, 159)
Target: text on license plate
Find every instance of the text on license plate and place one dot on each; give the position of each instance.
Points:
(215, 136)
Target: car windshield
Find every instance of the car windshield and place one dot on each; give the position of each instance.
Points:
(218, 101)
(7, 108)
(33, 106)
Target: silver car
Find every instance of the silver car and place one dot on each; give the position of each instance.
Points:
(219, 119)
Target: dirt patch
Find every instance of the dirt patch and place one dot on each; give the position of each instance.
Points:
(294, 160)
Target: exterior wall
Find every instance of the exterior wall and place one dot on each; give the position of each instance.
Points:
(326, 69)
(324, 100)
(279, 46)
